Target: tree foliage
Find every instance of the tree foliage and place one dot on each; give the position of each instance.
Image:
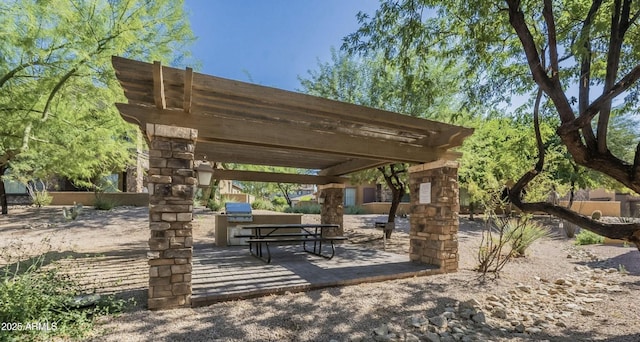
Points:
(374, 83)
(584, 56)
(57, 86)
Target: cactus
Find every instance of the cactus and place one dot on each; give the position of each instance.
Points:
(73, 212)
(596, 215)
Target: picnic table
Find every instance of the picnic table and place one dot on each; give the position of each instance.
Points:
(260, 237)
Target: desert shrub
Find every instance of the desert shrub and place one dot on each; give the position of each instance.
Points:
(354, 210)
(586, 237)
(569, 228)
(42, 198)
(596, 215)
(43, 302)
(104, 203)
(214, 205)
(522, 233)
(261, 204)
(279, 202)
(39, 194)
(305, 209)
(506, 238)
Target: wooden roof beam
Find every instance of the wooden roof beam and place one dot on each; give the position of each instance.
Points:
(217, 87)
(351, 166)
(256, 176)
(260, 156)
(188, 86)
(158, 86)
(270, 134)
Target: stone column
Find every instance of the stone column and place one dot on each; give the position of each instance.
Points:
(434, 214)
(171, 188)
(333, 206)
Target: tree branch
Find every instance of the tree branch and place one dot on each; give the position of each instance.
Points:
(63, 80)
(619, 17)
(585, 117)
(552, 89)
(584, 85)
(635, 169)
(627, 231)
(547, 13)
(17, 69)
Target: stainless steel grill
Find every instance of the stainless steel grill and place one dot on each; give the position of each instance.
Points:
(238, 212)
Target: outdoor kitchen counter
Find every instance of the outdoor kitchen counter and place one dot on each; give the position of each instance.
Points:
(222, 227)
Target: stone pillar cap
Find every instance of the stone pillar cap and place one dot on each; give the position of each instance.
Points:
(434, 165)
(156, 130)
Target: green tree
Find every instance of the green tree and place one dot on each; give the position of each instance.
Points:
(569, 47)
(57, 86)
(266, 190)
(372, 82)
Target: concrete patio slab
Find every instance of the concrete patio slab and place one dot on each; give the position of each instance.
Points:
(229, 273)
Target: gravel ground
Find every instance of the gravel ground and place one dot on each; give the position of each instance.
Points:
(355, 313)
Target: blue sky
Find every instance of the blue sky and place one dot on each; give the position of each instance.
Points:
(270, 42)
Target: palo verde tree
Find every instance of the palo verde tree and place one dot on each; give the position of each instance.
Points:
(583, 57)
(57, 86)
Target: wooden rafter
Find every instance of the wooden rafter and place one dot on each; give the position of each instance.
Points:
(158, 86)
(273, 177)
(351, 166)
(239, 122)
(188, 86)
(269, 134)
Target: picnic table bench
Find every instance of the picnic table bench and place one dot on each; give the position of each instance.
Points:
(259, 237)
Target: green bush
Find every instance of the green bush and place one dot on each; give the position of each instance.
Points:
(279, 202)
(214, 205)
(104, 203)
(305, 209)
(39, 194)
(586, 237)
(46, 298)
(354, 210)
(41, 198)
(261, 204)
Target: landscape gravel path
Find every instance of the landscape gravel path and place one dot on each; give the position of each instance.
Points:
(558, 292)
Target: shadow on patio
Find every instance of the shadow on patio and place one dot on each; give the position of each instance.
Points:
(228, 273)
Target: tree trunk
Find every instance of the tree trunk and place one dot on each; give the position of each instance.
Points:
(395, 203)
(3, 194)
(285, 193)
(397, 190)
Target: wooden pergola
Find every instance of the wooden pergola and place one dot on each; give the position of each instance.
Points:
(190, 116)
(244, 123)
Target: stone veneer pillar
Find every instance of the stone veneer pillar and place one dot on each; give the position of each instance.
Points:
(332, 209)
(434, 226)
(171, 183)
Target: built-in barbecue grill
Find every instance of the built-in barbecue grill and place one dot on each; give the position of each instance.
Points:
(237, 214)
